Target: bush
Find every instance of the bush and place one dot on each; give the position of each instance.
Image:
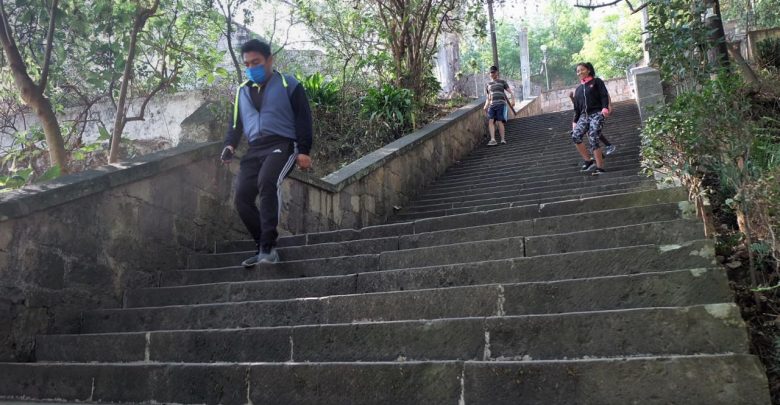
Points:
(390, 106)
(723, 141)
(320, 92)
(769, 52)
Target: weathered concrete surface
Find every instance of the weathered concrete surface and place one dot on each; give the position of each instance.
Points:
(251, 286)
(716, 328)
(78, 242)
(678, 380)
(705, 379)
(673, 288)
(365, 192)
(648, 89)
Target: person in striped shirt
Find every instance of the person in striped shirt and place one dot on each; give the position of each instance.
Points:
(497, 105)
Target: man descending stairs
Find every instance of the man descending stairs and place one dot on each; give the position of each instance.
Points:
(513, 279)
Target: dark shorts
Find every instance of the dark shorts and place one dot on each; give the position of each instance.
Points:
(498, 112)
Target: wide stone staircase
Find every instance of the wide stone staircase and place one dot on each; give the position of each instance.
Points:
(513, 279)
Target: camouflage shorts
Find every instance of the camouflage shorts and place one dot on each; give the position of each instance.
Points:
(590, 124)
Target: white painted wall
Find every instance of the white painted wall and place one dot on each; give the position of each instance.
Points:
(163, 117)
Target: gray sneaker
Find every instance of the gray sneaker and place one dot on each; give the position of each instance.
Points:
(609, 150)
(270, 257)
(252, 261)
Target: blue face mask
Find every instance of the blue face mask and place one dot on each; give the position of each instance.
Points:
(256, 74)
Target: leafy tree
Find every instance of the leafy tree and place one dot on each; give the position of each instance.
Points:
(614, 44)
(756, 14)
(478, 51)
(679, 41)
(562, 28)
(558, 25)
(103, 49)
(29, 65)
(348, 32)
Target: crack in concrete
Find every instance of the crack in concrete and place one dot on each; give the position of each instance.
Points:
(500, 301)
(462, 399)
(248, 382)
(147, 349)
(486, 353)
(292, 349)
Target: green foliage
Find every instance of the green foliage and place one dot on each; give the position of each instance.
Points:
(320, 92)
(614, 44)
(558, 25)
(390, 106)
(769, 52)
(563, 30)
(678, 41)
(727, 132)
(764, 14)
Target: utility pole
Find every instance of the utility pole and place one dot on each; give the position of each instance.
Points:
(525, 66)
(492, 23)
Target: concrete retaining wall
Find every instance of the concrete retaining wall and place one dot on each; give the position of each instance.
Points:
(80, 241)
(558, 99)
(365, 192)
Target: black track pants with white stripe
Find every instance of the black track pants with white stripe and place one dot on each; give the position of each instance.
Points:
(263, 169)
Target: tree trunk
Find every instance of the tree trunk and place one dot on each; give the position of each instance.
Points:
(121, 111)
(492, 32)
(719, 55)
(33, 95)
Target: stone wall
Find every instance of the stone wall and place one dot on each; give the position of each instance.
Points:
(558, 99)
(166, 118)
(77, 243)
(648, 90)
(529, 108)
(365, 192)
(754, 37)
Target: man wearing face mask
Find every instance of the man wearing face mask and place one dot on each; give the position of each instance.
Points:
(272, 112)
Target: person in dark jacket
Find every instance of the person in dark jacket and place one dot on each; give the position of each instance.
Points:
(272, 112)
(591, 106)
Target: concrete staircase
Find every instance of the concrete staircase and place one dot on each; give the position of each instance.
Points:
(512, 279)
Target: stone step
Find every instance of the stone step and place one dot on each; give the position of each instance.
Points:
(667, 289)
(551, 180)
(514, 183)
(498, 167)
(516, 213)
(734, 379)
(712, 328)
(529, 150)
(238, 284)
(663, 232)
(520, 196)
(522, 177)
(413, 216)
(539, 226)
(504, 188)
(555, 135)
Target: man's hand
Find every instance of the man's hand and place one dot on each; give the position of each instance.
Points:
(573, 125)
(227, 154)
(304, 161)
(605, 112)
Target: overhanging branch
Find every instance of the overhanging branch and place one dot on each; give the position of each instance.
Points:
(591, 6)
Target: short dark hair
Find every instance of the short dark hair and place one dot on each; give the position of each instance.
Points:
(256, 45)
(493, 69)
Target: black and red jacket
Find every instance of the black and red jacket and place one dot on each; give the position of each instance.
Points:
(590, 97)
